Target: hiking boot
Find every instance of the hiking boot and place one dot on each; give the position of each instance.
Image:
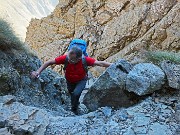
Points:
(74, 110)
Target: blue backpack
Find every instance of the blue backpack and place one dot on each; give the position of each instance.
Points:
(81, 44)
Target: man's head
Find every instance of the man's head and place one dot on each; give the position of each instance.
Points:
(75, 54)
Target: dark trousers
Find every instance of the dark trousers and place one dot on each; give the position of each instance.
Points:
(75, 90)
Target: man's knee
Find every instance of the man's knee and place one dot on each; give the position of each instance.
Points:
(76, 93)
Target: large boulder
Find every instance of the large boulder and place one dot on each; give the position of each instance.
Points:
(145, 78)
(108, 89)
(20, 119)
(172, 72)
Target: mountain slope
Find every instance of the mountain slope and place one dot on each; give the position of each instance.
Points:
(19, 12)
(114, 29)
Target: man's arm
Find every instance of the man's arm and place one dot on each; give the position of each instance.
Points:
(44, 66)
(102, 63)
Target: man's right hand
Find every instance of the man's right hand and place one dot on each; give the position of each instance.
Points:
(35, 74)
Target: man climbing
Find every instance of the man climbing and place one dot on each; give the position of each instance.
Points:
(75, 67)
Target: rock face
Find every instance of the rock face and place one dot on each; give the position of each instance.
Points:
(113, 28)
(49, 91)
(148, 117)
(16, 65)
(108, 89)
(172, 72)
(145, 78)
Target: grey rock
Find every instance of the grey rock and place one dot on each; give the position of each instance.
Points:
(172, 72)
(178, 130)
(8, 99)
(145, 78)
(47, 92)
(159, 129)
(123, 115)
(108, 89)
(9, 80)
(177, 115)
(3, 122)
(67, 125)
(20, 131)
(141, 120)
(107, 111)
(141, 130)
(177, 107)
(125, 121)
(129, 132)
(24, 119)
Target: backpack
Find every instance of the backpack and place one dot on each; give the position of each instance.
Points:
(79, 43)
(83, 46)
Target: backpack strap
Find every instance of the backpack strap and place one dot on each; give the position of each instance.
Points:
(65, 63)
(84, 62)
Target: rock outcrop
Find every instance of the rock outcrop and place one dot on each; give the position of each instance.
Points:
(145, 78)
(16, 64)
(112, 28)
(109, 88)
(123, 84)
(172, 72)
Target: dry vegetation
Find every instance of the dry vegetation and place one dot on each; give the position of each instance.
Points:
(9, 41)
(158, 56)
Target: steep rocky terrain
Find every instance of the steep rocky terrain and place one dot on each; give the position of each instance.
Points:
(20, 12)
(126, 99)
(113, 28)
(150, 117)
(153, 115)
(16, 64)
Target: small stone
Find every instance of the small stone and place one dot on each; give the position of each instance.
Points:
(164, 106)
(177, 115)
(23, 115)
(161, 118)
(21, 122)
(9, 99)
(2, 122)
(140, 130)
(123, 116)
(177, 107)
(107, 111)
(141, 120)
(129, 132)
